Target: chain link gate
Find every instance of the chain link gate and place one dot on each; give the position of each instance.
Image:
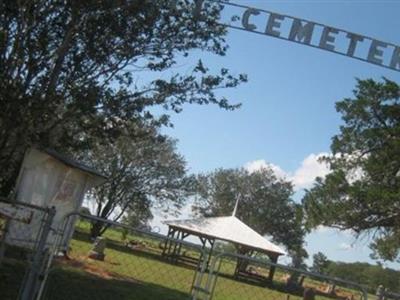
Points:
(133, 266)
(23, 256)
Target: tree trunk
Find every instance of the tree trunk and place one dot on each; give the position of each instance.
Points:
(96, 229)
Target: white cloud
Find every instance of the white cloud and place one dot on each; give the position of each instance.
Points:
(345, 247)
(303, 177)
(260, 164)
(309, 169)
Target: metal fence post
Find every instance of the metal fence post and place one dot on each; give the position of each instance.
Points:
(198, 277)
(31, 284)
(3, 241)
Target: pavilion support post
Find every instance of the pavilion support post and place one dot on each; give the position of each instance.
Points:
(180, 244)
(237, 268)
(238, 262)
(167, 241)
(212, 242)
(274, 259)
(241, 264)
(175, 252)
(203, 246)
(245, 262)
(182, 237)
(172, 235)
(203, 242)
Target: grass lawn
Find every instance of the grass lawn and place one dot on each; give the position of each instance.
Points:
(129, 273)
(138, 274)
(11, 276)
(71, 283)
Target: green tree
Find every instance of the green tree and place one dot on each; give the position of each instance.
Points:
(320, 263)
(371, 276)
(265, 204)
(138, 217)
(73, 71)
(362, 192)
(144, 173)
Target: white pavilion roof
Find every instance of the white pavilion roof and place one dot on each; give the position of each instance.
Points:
(229, 229)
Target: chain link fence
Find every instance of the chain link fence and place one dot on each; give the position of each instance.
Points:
(125, 263)
(129, 263)
(253, 282)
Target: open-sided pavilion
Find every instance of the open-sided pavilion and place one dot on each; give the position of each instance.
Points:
(228, 229)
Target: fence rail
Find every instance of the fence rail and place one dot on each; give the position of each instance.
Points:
(288, 283)
(125, 263)
(129, 263)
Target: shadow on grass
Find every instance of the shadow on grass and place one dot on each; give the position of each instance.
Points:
(264, 282)
(144, 252)
(71, 284)
(12, 273)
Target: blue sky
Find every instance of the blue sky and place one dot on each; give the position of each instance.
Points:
(288, 115)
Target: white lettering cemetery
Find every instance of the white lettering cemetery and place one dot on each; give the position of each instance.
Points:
(314, 34)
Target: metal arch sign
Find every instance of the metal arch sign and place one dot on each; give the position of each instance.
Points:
(312, 34)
